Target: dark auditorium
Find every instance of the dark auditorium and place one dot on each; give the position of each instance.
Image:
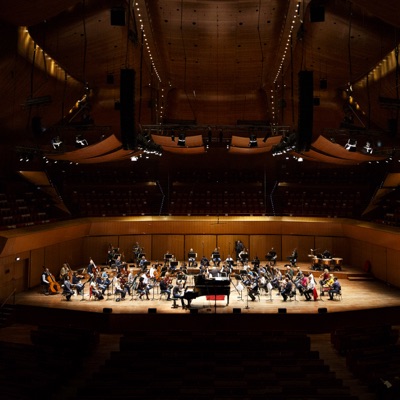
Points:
(200, 200)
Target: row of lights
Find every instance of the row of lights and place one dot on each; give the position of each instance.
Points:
(287, 46)
(151, 59)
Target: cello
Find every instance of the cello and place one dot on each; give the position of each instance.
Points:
(54, 286)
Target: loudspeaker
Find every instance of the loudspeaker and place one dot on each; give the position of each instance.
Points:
(107, 310)
(306, 104)
(322, 310)
(237, 310)
(117, 16)
(127, 108)
(317, 12)
(37, 128)
(152, 310)
(194, 311)
(323, 84)
(282, 310)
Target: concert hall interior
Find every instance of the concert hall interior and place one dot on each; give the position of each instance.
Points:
(205, 190)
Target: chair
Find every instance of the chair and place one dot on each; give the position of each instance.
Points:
(338, 295)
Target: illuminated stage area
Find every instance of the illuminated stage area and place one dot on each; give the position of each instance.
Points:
(362, 296)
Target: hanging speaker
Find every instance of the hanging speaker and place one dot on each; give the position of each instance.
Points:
(117, 16)
(127, 108)
(305, 117)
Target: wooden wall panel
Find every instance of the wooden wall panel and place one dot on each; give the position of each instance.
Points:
(203, 245)
(172, 243)
(126, 244)
(71, 252)
(226, 244)
(52, 259)
(393, 268)
(36, 267)
(302, 243)
(260, 245)
(97, 248)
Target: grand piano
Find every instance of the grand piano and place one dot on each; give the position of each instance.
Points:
(208, 287)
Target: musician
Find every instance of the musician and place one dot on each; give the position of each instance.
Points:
(44, 280)
(215, 256)
(225, 270)
(177, 294)
(143, 264)
(272, 256)
(303, 287)
(204, 261)
(77, 283)
(166, 285)
(143, 288)
(100, 284)
(252, 287)
(137, 250)
(91, 269)
(289, 272)
(191, 258)
(244, 256)
(299, 274)
(118, 287)
(131, 280)
(96, 291)
(326, 254)
(286, 290)
(64, 272)
(239, 247)
(293, 257)
(323, 278)
(335, 288)
(119, 264)
(173, 264)
(67, 289)
(167, 257)
(229, 262)
(214, 272)
(309, 291)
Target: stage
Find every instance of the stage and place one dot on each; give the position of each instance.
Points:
(363, 300)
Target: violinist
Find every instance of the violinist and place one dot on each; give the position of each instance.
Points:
(96, 291)
(323, 279)
(67, 289)
(77, 283)
(166, 286)
(119, 289)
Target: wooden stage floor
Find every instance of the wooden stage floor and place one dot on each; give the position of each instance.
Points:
(359, 292)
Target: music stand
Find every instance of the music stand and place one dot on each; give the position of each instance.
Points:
(192, 255)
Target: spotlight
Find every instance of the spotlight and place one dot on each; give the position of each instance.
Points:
(351, 145)
(182, 140)
(80, 141)
(367, 148)
(253, 141)
(300, 159)
(56, 142)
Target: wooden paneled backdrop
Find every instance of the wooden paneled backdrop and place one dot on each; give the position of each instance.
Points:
(359, 244)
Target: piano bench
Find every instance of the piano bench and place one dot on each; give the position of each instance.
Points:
(175, 299)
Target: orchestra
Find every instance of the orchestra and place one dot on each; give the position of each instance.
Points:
(121, 279)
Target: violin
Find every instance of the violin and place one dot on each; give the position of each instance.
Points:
(54, 286)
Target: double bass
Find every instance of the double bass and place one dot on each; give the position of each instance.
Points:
(54, 286)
